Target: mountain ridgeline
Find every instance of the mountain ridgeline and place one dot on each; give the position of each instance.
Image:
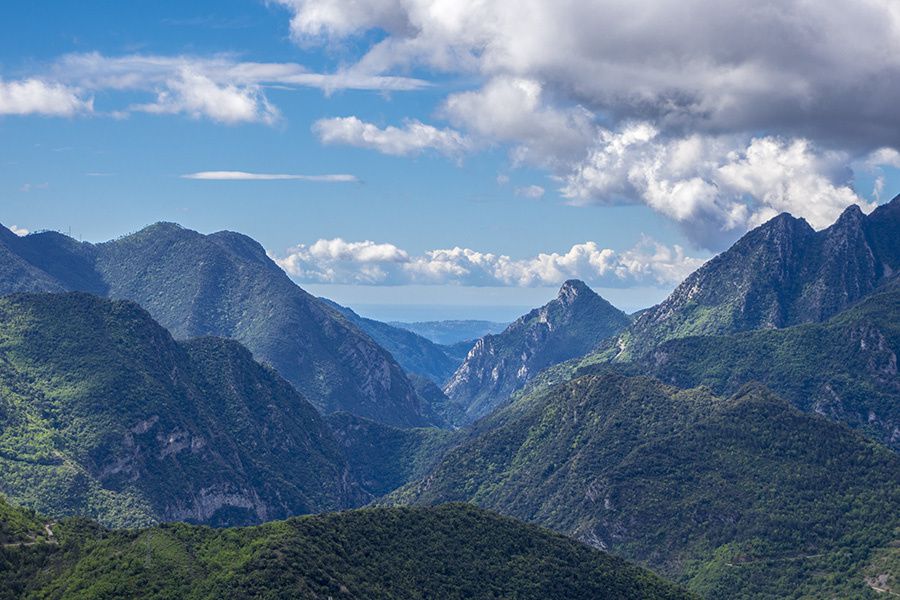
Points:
(105, 415)
(449, 552)
(225, 285)
(498, 365)
(780, 274)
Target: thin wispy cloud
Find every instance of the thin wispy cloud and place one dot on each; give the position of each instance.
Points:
(245, 176)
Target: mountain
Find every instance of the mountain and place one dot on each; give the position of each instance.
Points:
(497, 365)
(416, 354)
(225, 285)
(740, 497)
(448, 333)
(103, 414)
(448, 552)
(780, 274)
(845, 368)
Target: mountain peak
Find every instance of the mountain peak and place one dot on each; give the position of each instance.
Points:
(573, 289)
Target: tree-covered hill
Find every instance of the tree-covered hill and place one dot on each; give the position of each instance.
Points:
(224, 285)
(103, 414)
(448, 552)
(741, 497)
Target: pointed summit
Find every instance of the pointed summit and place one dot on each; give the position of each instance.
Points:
(568, 326)
(572, 290)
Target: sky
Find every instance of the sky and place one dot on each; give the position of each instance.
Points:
(426, 159)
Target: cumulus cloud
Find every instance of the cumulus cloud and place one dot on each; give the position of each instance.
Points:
(19, 231)
(413, 138)
(35, 96)
(716, 123)
(714, 187)
(199, 96)
(244, 176)
(339, 261)
(514, 110)
(792, 64)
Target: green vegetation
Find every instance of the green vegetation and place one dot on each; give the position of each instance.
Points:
(224, 285)
(741, 498)
(104, 415)
(383, 457)
(845, 368)
(451, 551)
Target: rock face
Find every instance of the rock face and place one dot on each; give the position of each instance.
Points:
(105, 415)
(567, 327)
(225, 285)
(781, 273)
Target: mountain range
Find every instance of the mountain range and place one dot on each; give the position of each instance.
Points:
(780, 274)
(451, 332)
(225, 285)
(739, 438)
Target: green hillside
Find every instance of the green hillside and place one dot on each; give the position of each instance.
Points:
(103, 414)
(447, 552)
(741, 497)
(224, 284)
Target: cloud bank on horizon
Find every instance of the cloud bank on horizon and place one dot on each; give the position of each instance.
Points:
(369, 263)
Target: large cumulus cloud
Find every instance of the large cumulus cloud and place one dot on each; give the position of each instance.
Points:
(716, 114)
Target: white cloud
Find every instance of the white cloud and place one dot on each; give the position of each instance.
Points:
(338, 261)
(19, 231)
(716, 123)
(217, 87)
(884, 157)
(791, 64)
(244, 176)
(530, 191)
(715, 188)
(514, 110)
(34, 96)
(414, 137)
(199, 96)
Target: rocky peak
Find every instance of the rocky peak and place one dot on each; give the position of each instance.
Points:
(572, 290)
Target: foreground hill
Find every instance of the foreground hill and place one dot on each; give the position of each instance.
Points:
(103, 414)
(741, 497)
(497, 365)
(780, 274)
(448, 552)
(225, 285)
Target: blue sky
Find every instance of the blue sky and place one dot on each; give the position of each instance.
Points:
(505, 161)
